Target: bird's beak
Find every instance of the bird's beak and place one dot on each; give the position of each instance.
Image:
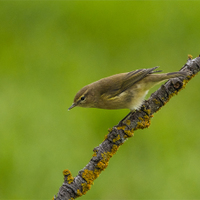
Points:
(72, 106)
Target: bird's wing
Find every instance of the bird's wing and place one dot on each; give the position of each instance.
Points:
(134, 76)
(110, 90)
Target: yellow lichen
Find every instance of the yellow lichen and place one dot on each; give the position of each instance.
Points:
(110, 129)
(114, 149)
(148, 111)
(128, 122)
(121, 127)
(79, 193)
(190, 56)
(172, 94)
(97, 172)
(67, 173)
(125, 136)
(144, 122)
(146, 117)
(106, 136)
(94, 154)
(183, 86)
(89, 176)
(156, 101)
(106, 156)
(116, 139)
(184, 83)
(85, 187)
(102, 165)
(129, 133)
(70, 179)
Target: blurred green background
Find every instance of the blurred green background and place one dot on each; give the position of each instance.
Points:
(51, 49)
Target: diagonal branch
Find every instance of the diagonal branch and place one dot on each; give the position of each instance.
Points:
(74, 187)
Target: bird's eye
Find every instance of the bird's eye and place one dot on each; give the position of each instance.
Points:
(82, 98)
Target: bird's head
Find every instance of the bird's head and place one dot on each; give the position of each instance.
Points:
(84, 98)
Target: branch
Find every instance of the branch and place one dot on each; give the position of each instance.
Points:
(74, 187)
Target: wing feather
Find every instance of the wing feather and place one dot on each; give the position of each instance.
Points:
(133, 77)
(112, 91)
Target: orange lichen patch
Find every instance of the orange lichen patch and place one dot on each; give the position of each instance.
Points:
(97, 172)
(79, 193)
(189, 78)
(94, 154)
(144, 122)
(102, 165)
(148, 111)
(156, 101)
(129, 133)
(128, 122)
(67, 173)
(148, 117)
(70, 179)
(106, 136)
(172, 94)
(175, 92)
(89, 176)
(117, 138)
(184, 84)
(106, 156)
(110, 129)
(114, 149)
(121, 127)
(85, 187)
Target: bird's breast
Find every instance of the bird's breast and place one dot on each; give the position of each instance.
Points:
(137, 100)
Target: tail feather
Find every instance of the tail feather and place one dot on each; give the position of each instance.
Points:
(177, 74)
(166, 76)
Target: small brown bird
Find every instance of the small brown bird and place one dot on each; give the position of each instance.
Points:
(125, 90)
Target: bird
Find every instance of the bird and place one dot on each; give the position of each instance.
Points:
(121, 91)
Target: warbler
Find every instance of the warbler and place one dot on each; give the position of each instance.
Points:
(125, 90)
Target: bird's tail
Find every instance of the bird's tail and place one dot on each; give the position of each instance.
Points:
(166, 76)
(177, 74)
(154, 79)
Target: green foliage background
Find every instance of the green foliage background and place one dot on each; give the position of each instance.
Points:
(49, 50)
